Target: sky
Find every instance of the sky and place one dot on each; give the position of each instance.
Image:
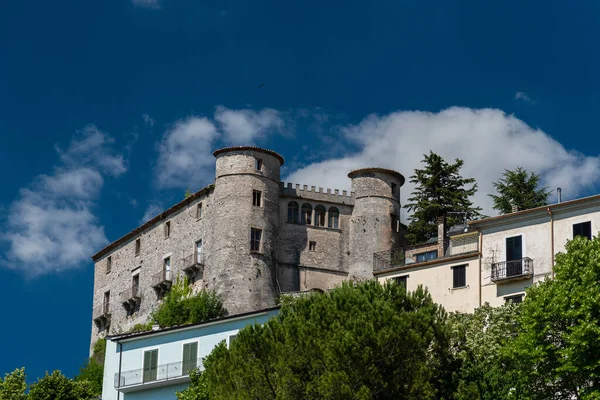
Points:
(110, 110)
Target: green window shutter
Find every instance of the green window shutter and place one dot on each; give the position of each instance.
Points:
(190, 355)
(150, 365)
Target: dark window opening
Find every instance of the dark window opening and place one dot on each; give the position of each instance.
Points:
(583, 229)
(320, 215)
(306, 216)
(138, 246)
(334, 218)
(514, 256)
(394, 188)
(514, 299)
(167, 229)
(109, 264)
(255, 235)
(459, 276)
(258, 164)
(293, 212)
(256, 198)
(199, 210)
(312, 246)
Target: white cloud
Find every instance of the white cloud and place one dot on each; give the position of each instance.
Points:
(148, 120)
(488, 140)
(185, 159)
(152, 211)
(152, 4)
(51, 226)
(248, 126)
(523, 96)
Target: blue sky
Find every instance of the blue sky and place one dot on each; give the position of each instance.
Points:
(109, 110)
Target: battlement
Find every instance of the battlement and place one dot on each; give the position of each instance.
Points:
(295, 191)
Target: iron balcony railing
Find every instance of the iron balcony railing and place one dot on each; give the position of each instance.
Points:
(133, 293)
(159, 373)
(101, 311)
(194, 261)
(408, 254)
(513, 269)
(160, 278)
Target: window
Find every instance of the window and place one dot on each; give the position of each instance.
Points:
(255, 235)
(514, 256)
(312, 246)
(167, 265)
(230, 339)
(293, 211)
(138, 246)
(401, 280)
(306, 216)
(394, 188)
(320, 215)
(190, 357)
(198, 252)
(514, 299)
(167, 229)
(256, 195)
(106, 302)
(334, 218)
(428, 255)
(258, 164)
(459, 276)
(108, 264)
(583, 229)
(150, 365)
(135, 286)
(199, 211)
(394, 219)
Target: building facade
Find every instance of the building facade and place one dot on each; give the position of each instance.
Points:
(156, 364)
(492, 260)
(249, 237)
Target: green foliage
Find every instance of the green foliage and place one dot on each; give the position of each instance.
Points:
(481, 340)
(180, 306)
(520, 189)
(559, 340)
(58, 387)
(198, 389)
(358, 341)
(439, 189)
(92, 371)
(141, 327)
(187, 193)
(13, 386)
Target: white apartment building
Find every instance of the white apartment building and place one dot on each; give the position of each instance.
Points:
(491, 260)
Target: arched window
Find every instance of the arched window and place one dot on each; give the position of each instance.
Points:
(334, 218)
(293, 211)
(306, 216)
(320, 215)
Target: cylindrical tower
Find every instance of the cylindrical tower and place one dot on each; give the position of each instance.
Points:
(244, 229)
(375, 219)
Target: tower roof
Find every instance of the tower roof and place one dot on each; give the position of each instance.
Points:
(397, 174)
(252, 148)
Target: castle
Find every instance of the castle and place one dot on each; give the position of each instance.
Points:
(249, 237)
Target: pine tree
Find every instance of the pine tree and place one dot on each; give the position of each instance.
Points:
(439, 190)
(519, 188)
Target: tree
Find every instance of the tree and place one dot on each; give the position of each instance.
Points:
(487, 368)
(93, 369)
(56, 386)
(439, 189)
(181, 306)
(358, 341)
(559, 339)
(519, 188)
(13, 386)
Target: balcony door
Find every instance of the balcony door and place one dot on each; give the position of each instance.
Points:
(514, 256)
(199, 251)
(190, 356)
(150, 365)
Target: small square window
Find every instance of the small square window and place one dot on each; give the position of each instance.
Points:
(258, 164)
(255, 236)
(583, 229)
(167, 229)
(138, 246)
(401, 280)
(256, 198)
(199, 211)
(459, 276)
(108, 264)
(514, 299)
(312, 246)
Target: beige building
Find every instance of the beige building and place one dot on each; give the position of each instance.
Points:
(491, 260)
(249, 237)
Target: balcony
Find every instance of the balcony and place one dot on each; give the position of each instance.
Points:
(162, 375)
(193, 265)
(161, 282)
(417, 254)
(508, 271)
(130, 298)
(101, 315)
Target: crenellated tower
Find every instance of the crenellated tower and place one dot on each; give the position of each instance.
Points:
(375, 222)
(246, 208)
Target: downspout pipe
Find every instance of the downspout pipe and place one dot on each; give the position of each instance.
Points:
(551, 240)
(119, 374)
(480, 264)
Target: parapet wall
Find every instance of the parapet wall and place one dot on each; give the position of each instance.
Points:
(290, 190)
